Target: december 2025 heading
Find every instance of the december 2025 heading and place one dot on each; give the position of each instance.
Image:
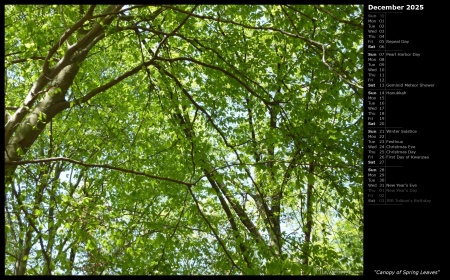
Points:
(396, 7)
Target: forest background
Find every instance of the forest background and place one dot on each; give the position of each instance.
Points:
(183, 139)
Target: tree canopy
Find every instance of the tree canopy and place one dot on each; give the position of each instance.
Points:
(183, 139)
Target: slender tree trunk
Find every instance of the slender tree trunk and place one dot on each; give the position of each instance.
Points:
(309, 218)
(22, 260)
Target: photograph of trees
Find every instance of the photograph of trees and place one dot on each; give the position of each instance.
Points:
(183, 139)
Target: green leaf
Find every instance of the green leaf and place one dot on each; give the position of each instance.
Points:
(90, 245)
(119, 242)
(37, 212)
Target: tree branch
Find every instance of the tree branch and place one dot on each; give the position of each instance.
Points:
(106, 166)
(337, 18)
(212, 229)
(65, 36)
(309, 41)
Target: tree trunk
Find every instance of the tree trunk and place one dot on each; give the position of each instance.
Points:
(25, 126)
(309, 217)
